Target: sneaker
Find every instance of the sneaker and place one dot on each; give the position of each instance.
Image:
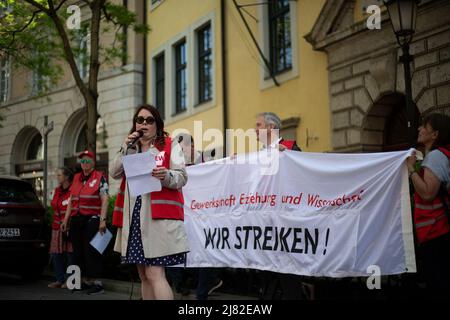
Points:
(95, 290)
(55, 285)
(84, 287)
(215, 287)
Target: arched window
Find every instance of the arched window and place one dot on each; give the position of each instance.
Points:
(35, 149)
(81, 144)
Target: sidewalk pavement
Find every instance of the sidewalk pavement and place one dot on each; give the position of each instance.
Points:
(132, 290)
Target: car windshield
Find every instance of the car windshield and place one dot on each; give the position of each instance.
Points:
(16, 191)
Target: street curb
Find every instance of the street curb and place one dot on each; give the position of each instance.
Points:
(116, 286)
(133, 289)
(128, 288)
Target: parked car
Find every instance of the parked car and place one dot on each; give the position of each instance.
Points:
(24, 235)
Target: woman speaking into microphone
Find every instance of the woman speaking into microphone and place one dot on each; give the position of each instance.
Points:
(151, 232)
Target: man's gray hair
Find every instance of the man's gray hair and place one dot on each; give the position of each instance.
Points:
(270, 117)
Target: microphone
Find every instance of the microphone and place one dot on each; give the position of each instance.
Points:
(132, 142)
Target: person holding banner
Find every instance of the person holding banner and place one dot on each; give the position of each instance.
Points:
(431, 202)
(267, 129)
(151, 232)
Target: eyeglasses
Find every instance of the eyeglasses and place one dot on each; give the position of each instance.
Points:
(140, 120)
(85, 161)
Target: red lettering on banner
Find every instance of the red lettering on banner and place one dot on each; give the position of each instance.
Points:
(314, 200)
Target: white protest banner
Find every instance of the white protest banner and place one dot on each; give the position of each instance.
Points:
(332, 215)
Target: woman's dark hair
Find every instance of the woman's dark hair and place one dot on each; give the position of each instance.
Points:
(67, 172)
(161, 135)
(441, 123)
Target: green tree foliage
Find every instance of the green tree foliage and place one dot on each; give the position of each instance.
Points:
(36, 35)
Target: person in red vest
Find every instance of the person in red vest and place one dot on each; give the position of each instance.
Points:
(60, 246)
(431, 202)
(151, 233)
(268, 126)
(87, 211)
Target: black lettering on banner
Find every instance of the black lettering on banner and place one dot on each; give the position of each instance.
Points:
(297, 239)
(247, 230)
(238, 236)
(209, 237)
(275, 247)
(283, 241)
(218, 239)
(309, 240)
(257, 232)
(267, 238)
(225, 235)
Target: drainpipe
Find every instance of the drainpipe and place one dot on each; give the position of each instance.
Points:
(125, 38)
(224, 74)
(144, 74)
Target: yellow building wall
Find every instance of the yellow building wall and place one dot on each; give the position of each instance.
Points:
(168, 20)
(305, 96)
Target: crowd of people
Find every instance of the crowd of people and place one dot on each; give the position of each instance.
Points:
(151, 233)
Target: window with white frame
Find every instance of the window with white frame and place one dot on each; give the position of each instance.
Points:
(155, 4)
(280, 35)
(4, 79)
(182, 70)
(160, 87)
(39, 82)
(204, 63)
(279, 40)
(181, 83)
(82, 38)
(5, 7)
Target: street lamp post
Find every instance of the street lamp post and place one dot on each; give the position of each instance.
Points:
(48, 127)
(403, 14)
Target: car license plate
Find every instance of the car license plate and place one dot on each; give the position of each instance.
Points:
(9, 232)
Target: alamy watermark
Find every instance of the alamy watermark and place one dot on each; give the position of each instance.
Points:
(374, 280)
(74, 20)
(74, 279)
(374, 20)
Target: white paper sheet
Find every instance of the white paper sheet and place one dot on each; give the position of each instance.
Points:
(138, 169)
(100, 242)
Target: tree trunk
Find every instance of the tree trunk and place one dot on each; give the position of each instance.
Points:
(91, 130)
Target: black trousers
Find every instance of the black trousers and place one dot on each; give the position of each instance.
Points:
(289, 284)
(82, 231)
(435, 255)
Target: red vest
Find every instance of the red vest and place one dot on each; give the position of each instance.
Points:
(429, 216)
(288, 144)
(166, 204)
(86, 199)
(59, 205)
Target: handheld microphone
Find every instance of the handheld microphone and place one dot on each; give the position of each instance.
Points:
(132, 142)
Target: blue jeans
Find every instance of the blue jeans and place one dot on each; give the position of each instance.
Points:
(60, 263)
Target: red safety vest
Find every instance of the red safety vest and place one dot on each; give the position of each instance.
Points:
(166, 204)
(288, 144)
(59, 206)
(86, 199)
(430, 218)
